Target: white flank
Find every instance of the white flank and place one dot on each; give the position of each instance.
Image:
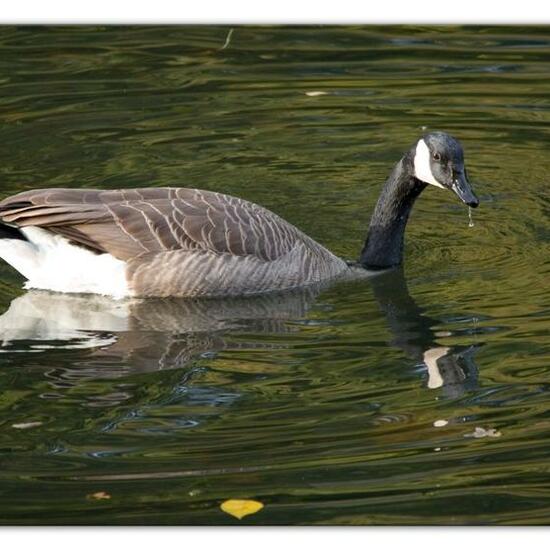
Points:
(422, 169)
(431, 357)
(51, 262)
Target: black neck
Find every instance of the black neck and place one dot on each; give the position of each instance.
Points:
(384, 245)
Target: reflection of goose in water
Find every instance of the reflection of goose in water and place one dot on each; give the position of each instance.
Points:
(452, 368)
(148, 335)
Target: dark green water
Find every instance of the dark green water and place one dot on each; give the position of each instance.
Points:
(357, 405)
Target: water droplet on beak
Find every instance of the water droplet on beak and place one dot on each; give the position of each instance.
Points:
(471, 222)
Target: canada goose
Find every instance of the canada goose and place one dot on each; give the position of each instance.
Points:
(187, 242)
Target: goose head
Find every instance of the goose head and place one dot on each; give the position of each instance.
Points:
(439, 161)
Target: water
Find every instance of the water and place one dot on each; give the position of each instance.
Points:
(418, 397)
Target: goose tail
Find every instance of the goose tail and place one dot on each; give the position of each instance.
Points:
(11, 232)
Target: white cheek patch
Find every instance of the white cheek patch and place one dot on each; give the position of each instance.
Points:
(422, 169)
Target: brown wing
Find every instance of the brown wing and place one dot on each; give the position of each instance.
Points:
(128, 223)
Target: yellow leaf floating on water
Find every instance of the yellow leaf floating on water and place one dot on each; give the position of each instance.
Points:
(241, 508)
(100, 495)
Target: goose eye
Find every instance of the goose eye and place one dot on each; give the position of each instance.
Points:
(437, 156)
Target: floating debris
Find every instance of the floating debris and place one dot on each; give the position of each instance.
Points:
(227, 39)
(100, 495)
(440, 423)
(316, 93)
(482, 432)
(241, 508)
(26, 425)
